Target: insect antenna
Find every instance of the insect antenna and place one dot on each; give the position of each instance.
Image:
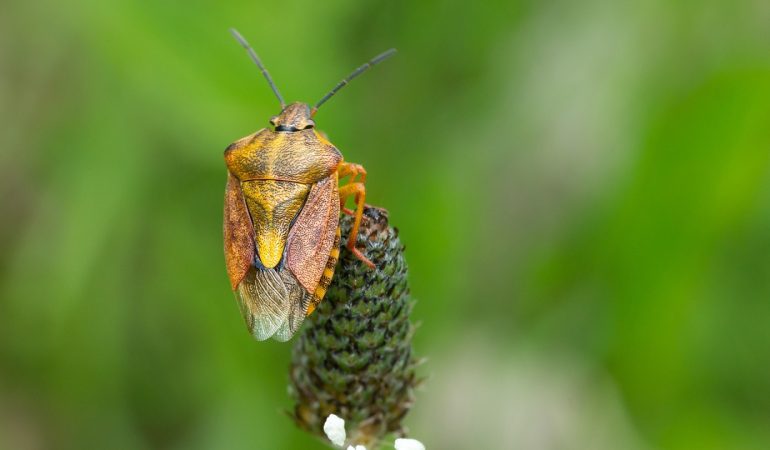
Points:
(377, 59)
(258, 62)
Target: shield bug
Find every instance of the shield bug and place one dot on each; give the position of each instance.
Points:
(282, 210)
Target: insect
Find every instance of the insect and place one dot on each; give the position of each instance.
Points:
(282, 210)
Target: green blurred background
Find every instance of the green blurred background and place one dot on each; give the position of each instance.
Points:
(583, 189)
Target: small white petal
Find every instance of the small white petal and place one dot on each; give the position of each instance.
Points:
(409, 444)
(357, 447)
(334, 427)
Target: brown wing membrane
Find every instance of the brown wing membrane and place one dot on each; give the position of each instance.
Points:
(238, 230)
(264, 302)
(299, 301)
(272, 303)
(312, 236)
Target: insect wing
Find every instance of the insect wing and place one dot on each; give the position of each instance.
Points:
(272, 301)
(312, 236)
(238, 233)
(264, 302)
(299, 300)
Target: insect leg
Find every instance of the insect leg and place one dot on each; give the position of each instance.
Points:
(359, 191)
(354, 170)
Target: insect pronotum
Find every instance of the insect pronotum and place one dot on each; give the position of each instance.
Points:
(282, 211)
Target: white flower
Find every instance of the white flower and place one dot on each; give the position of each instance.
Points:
(409, 444)
(334, 427)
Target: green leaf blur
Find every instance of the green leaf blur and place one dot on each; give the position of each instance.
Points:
(583, 189)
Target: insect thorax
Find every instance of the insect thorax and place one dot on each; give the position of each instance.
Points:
(301, 156)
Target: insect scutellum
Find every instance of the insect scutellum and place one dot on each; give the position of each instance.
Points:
(298, 116)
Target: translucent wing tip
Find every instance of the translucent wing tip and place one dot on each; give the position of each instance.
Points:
(299, 299)
(273, 303)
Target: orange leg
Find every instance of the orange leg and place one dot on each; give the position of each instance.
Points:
(352, 170)
(360, 192)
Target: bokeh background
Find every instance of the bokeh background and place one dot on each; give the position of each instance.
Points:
(583, 189)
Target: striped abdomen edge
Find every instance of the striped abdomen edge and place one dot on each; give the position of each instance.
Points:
(328, 274)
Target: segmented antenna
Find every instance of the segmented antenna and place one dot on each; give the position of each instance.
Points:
(377, 59)
(258, 62)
